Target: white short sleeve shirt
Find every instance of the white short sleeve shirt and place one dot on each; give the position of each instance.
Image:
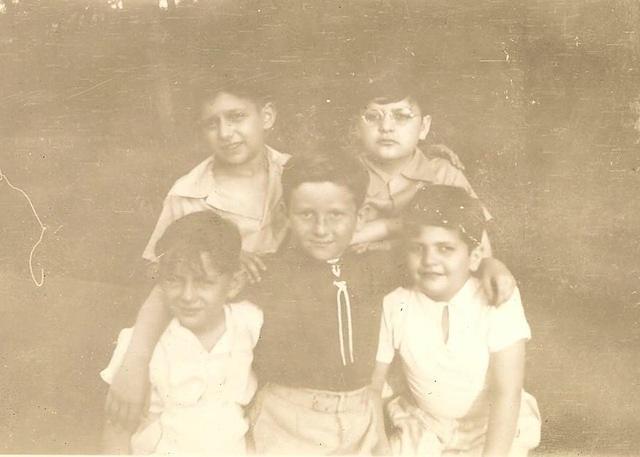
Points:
(197, 396)
(448, 378)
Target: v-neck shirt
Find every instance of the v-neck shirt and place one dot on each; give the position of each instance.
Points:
(448, 378)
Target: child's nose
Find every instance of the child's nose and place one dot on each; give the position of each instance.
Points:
(320, 226)
(188, 291)
(226, 129)
(428, 256)
(386, 123)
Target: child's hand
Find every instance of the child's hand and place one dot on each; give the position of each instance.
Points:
(382, 245)
(497, 280)
(440, 150)
(252, 265)
(128, 395)
(382, 447)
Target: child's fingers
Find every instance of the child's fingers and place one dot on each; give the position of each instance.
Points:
(500, 289)
(116, 410)
(490, 289)
(253, 266)
(252, 272)
(259, 263)
(131, 415)
(505, 287)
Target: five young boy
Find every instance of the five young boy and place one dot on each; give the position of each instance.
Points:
(322, 302)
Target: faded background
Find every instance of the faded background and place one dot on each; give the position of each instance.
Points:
(541, 99)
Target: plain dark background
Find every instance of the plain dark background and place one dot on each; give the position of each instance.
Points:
(541, 100)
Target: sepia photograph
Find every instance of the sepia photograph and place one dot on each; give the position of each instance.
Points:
(320, 227)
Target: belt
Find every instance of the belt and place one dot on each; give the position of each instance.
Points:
(323, 401)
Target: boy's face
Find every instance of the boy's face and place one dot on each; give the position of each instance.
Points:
(391, 131)
(323, 217)
(439, 261)
(234, 127)
(196, 294)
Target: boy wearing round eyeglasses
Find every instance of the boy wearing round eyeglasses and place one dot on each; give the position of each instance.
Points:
(391, 124)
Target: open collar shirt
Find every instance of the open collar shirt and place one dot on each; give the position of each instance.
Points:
(387, 195)
(449, 378)
(197, 191)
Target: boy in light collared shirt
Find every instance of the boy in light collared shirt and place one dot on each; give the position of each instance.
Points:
(239, 181)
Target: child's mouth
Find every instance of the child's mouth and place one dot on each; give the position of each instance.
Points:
(387, 142)
(429, 274)
(232, 146)
(188, 312)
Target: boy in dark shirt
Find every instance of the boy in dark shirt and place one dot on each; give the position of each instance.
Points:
(316, 352)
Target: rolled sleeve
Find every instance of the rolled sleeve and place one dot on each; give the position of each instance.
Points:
(117, 358)
(171, 211)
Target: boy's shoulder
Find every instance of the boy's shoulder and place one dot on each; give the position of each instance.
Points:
(247, 317)
(245, 311)
(437, 170)
(197, 183)
(398, 295)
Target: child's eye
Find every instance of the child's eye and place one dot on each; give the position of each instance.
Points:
(373, 116)
(402, 116)
(304, 216)
(336, 214)
(446, 248)
(236, 116)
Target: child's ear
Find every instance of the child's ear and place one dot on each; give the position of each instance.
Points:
(269, 115)
(425, 127)
(475, 258)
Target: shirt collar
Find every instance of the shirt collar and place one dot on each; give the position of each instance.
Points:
(199, 182)
(298, 256)
(467, 294)
(188, 338)
(418, 168)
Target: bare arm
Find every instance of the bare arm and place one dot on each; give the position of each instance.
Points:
(506, 376)
(377, 382)
(377, 230)
(115, 439)
(128, 392)
(496, 279)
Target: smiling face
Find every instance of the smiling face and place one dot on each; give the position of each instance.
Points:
(439, 261)
(234, 128)
(323, 217)
(196, 291)
(390, 132)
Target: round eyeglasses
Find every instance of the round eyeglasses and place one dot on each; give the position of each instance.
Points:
(398, 116)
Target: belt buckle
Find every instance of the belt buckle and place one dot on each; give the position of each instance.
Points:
(325, 403)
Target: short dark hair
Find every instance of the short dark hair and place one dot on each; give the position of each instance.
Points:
(449, 207)
(392, 85)
(250, 85)
(196, 233)
(326, 164)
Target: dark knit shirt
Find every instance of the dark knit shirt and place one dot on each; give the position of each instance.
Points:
(305, 314)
